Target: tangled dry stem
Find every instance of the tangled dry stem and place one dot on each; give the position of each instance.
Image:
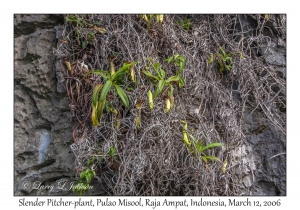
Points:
(154, 160)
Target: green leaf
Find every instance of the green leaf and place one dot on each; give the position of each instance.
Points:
(181, 65)
(94, 173)
(228, 59)
(186, 24)
(100, 108)
(184, 125)
(192, 137)
(199, 147)
(216, 144)
(107, 106)
(159, 88)
(241, 55)
(222, 50)
(181, 58)
(88, 175)
(105, 90)
(211, 58)
(221, 67)
(119, 78)
(82, 174)
(157, 68)
(73, 18)
(91, 37)
(162, 74)
(205, 158)
(126, 66)
(171, 90)
(228, 67)
(95, 95)
(110, 108)
(112, 151)
(129, 89)
(90, 161)
(169, 59)
(102, 73)
(122, 95)
(119, 75)
(148, 74)
(83, 44)
(181, 82)
(172, 79)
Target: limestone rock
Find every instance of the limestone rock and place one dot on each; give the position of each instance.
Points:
(42, 122)
(27, 24)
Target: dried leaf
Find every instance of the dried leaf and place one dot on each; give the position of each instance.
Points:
(224, 166)
(139, 104)
(267, 17)
(205, 158)
(113, 110)
(138, 123)
(159, 18)
(184, 125)
(118, 123)
(112, 68)
(172, 101)
(132, 74)
(168, 105)
(95, 120)
(100, 30)
(145, 18)
(150, 99)
(69, 67)
(186, 139)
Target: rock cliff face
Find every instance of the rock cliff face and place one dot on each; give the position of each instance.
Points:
(43, 123)
(42, 119)
(268, 145)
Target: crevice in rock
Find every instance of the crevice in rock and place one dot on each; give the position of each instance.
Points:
(46, 163)
(46, 123)
(29, 58)
(28, 24)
